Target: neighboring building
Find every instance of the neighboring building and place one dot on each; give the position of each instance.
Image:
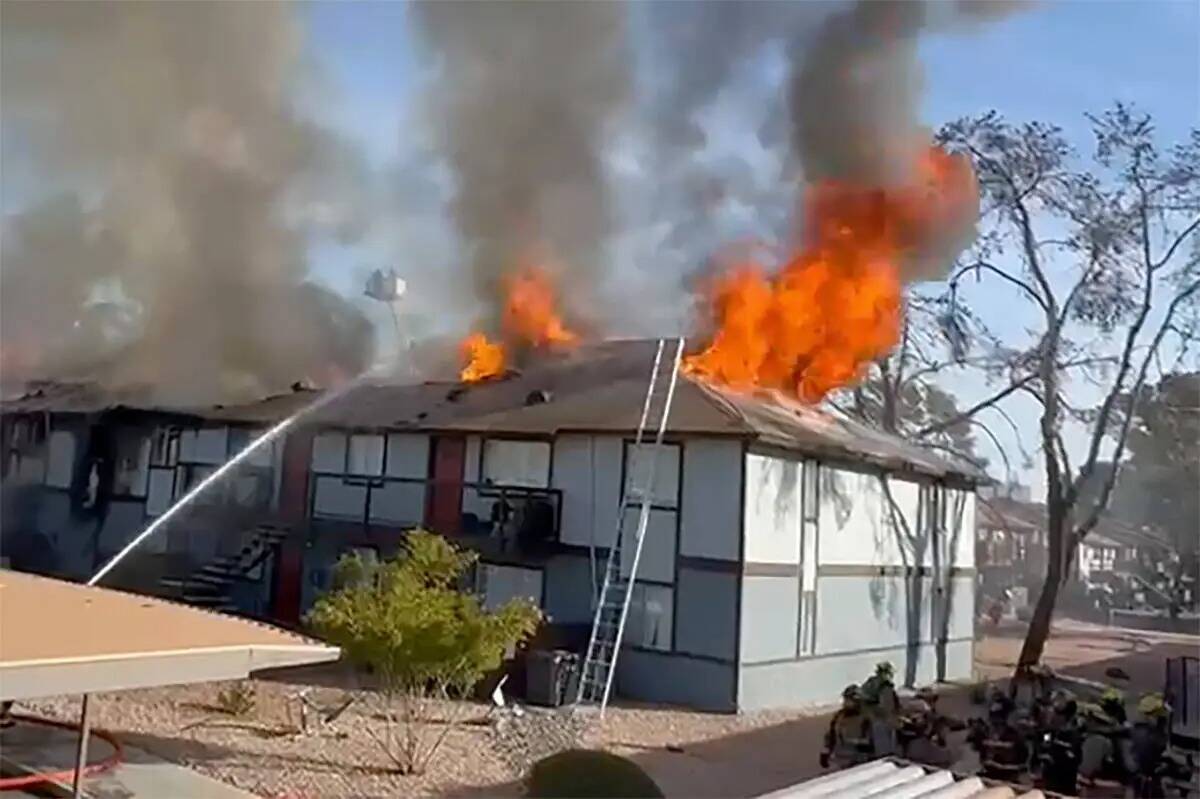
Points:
(1011, 545)
(788, 551)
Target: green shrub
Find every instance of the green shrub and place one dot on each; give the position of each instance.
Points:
(585, 773)
(425, 640)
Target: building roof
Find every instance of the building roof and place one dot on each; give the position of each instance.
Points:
(601, 388)
(1023, 518)
(598, 388)
(65, 638)
(62, 397)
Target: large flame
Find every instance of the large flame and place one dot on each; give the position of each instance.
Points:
(531, 318)
(836, 305)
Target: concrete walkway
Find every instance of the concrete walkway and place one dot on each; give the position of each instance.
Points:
(34, 748)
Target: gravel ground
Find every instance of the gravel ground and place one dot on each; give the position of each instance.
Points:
(261, 752)
(687, 753)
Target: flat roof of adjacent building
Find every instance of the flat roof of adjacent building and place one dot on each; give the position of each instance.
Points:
(59, 638)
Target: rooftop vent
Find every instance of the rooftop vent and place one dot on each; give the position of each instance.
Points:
(537, 397)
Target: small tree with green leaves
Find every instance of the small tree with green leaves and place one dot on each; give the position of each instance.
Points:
(427, 640)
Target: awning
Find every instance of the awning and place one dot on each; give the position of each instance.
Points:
(61, 638)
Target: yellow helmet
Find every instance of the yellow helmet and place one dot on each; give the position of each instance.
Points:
(1112, 695)
(1152, 706)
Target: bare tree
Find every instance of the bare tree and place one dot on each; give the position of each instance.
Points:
(1107, 256)
(900, 394)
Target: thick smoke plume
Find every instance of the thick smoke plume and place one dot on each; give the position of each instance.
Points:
(171, 168)
(854, 97)
(524, 105)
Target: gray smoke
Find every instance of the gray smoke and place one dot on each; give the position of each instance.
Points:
(854, 96)
(524, 105)
(182, 184)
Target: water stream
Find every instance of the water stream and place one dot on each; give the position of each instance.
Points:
(187, 499)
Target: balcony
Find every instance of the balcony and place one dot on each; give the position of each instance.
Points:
(502, 522)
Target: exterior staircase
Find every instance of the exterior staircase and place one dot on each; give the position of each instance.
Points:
(210, 585)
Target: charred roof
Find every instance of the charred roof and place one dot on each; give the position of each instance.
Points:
(598, 388)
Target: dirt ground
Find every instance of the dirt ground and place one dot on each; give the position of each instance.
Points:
(687, 753)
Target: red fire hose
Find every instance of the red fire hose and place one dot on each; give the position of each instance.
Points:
(65, 775)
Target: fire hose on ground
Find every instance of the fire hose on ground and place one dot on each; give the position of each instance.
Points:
(68, 774)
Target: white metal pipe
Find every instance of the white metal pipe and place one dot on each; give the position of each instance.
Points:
(883, 787)
(832, 784)
(957, 790)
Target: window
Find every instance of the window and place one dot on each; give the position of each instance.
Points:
(516, 463)
(25, 456)
(164, 451)
(250, 488)
(191, 476)
(650, 617)
(60, 459)
(639, 458)
(240, 438)
(130, 471)
(212, 445)
(365, 455)
(329, 453)
(498, 585)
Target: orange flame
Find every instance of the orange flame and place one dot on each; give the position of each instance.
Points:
(484, 358)
(530, 314)
(835, 306)
(530, 318)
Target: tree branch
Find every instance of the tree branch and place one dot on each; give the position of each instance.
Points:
(1182, 237)
(974, 409)
(980, 266)
(1123, 435)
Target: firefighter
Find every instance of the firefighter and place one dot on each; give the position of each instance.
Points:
(929, 731)
(1148, 745)
(848, 740)
(883, 707)
(1061, 747)
(1002, 750)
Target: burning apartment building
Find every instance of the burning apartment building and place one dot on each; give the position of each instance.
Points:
(772, 523)
(786, 545)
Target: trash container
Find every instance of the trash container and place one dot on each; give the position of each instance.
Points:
(550, 677)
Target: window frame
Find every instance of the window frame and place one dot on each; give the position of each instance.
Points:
(485, 479)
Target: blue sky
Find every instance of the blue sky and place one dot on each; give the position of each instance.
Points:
(1052, 62)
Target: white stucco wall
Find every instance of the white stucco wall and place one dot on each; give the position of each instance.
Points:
(772, 512)
(856, 521)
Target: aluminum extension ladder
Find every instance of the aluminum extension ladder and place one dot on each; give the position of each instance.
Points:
(612, 609)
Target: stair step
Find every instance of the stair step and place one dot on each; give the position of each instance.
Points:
(208, 600)
(218, 569)
(211, 578)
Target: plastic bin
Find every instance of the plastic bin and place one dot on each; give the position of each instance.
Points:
(550, 677)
